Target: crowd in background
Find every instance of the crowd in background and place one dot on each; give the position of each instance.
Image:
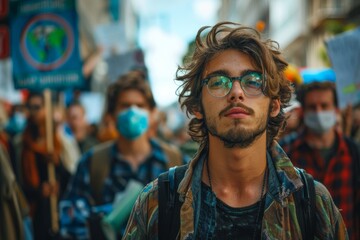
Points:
(23, 143)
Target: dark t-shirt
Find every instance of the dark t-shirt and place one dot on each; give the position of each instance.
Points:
(231, 223)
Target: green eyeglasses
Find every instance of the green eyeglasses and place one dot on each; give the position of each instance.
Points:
(220, 85)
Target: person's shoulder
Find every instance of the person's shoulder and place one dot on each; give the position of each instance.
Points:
(329, 222)
(148, 197)
(172, 153)
(325, 203)
(321, 191)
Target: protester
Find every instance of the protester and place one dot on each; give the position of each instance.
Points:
(15, 222)
(13, 130)
(293, 117)
(326, 153)
(35, 158)
(111, 169)
(79, 127)
(107, 129)
(240, 185)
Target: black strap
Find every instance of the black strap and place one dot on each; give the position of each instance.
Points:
(355, 156)
(169, 203)
(305, 204)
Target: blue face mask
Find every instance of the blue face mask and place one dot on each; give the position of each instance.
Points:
(132, 122)
(16, 123)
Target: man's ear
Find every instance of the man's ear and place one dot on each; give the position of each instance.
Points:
(198, 114)
(275, 107)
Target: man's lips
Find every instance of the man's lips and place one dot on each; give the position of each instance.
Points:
(236, 112)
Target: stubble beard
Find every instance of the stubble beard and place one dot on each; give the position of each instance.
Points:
(238, 137)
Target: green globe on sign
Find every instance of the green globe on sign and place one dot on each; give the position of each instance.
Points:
(46, 42)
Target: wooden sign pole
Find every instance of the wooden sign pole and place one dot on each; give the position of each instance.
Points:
(51, 167)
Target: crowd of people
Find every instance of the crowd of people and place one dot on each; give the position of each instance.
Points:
(249, 134)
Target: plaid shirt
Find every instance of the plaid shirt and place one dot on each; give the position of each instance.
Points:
(119, 176)
(336, 174)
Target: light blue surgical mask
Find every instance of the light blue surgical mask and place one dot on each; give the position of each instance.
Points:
(132, 122)
(320, 122)
(16, 123)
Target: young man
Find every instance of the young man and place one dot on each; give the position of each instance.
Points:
(78, 126)
(240, 184)
(105, 172)
(326, 153)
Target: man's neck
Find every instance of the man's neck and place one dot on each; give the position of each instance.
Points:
(320, 141)
(236, 173)
(134, 151)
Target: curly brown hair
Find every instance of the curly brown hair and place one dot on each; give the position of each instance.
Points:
(265, 55)
(132, 80)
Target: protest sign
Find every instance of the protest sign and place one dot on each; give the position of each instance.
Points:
(344, 52)
(122, 63)
(45, 51)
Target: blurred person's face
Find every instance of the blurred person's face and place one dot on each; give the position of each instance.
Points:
(36, 109)
(293, 119)
(133, 114)
(319, 111)
(76, 118)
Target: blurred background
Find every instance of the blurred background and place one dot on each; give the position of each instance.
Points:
(114, 36)
(70, 51)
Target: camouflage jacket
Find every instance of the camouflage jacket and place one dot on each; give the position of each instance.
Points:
(279, 220)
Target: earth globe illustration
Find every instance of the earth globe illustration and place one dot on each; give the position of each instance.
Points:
(47, 42)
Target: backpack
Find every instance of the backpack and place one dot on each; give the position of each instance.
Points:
(169, 203)
(100, 165)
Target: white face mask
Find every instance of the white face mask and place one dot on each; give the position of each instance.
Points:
(320, 122)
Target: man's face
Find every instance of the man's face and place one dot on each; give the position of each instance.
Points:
(318, 101)
(36, 109)
(130, 98)
(237, 119)
(319, 111)
(76, 117)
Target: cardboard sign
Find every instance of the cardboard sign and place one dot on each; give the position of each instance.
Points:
(344, 52)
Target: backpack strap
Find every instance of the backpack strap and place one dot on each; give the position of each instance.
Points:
(169, 204)
(355, 156)
(99, 169)
(305, 204)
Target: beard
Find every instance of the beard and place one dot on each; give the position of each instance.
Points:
(238, 136)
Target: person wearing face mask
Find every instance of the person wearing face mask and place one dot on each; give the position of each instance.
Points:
(114, 170)
(326, 153)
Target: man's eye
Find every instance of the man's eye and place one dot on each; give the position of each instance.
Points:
(252, 81)
(217, 82)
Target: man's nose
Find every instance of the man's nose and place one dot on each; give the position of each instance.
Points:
(236, 93)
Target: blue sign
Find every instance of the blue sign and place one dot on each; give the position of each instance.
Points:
(45, 51)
